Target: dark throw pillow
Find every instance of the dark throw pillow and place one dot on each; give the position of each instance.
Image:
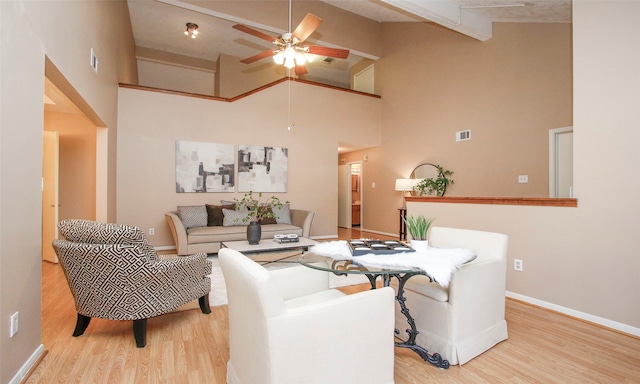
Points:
(215, 216)
(267, 220)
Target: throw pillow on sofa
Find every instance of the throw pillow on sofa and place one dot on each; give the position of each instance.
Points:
(267, 220)
(234, 218)
(193, 215)
(215, 216)
(283, 214)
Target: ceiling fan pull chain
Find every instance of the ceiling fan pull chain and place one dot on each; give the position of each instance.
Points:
(289, 30)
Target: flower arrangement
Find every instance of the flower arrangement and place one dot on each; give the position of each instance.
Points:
(258, 211)
(418, 226)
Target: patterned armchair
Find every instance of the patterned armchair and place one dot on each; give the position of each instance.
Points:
(115, 274)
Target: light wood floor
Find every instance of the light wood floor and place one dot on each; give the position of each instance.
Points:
(189, 347)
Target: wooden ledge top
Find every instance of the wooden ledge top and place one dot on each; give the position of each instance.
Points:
(531, 201)
(236, 98)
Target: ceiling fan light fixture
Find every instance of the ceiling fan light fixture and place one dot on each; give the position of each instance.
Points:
(289, 62)
(289, 50)
(192, 30)
(301, 58)
(278, 58)
(289, 53)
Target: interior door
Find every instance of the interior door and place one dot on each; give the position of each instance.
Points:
(561, 162)
(564, 165)
(344, 196)
(50, 195)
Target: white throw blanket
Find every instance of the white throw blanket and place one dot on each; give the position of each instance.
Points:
(438, 263)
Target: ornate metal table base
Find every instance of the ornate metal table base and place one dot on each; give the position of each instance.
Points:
(434, 359)
(340, 267)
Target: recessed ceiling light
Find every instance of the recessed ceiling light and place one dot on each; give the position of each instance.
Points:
(192, 30)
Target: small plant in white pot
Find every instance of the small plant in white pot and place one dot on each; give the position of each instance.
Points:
(418, 226)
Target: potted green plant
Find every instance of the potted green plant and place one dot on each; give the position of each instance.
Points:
(256, 212)
(417, 227)
(437, 186)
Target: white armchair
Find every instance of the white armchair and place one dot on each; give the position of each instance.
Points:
(287, 326)
(466, 319)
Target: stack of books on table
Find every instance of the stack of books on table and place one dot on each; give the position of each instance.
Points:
(286, 238)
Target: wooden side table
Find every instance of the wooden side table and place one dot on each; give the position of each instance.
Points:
(402, 233)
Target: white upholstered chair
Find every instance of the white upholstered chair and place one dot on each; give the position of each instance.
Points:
(287, 326)
(467, 318)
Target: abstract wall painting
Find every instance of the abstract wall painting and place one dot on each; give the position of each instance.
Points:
(262, 169)
(204, 167)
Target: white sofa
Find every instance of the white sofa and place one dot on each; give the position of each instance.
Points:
(287, 327)
(207, 239)
(467, 318)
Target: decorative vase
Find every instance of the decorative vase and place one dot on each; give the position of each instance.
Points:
(254, 232)
(420, 245)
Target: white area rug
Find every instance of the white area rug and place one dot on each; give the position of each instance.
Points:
(218, 295)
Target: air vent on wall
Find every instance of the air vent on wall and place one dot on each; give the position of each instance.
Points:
(463, 135)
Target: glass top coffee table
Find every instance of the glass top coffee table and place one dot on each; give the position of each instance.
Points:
(344, 267)
(269, 250)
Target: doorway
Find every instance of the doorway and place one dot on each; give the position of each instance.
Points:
(50, 203)
(561, 162)
(350, 195)
(363, 81)
(69, 165)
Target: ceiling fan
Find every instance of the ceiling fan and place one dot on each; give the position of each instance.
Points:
(289, 50)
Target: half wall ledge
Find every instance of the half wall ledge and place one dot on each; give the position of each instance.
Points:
(532, 201)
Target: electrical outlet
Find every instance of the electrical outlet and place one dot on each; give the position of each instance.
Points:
(152, 231)
(523, 179)
(14, 325)
(517, 265)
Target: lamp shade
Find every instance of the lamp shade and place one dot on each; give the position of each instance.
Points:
(405, 184)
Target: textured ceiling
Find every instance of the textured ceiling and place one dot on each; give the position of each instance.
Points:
(533, 11)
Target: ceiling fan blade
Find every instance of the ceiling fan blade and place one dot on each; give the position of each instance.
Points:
(326, 51)
(259, 56)
(301, 70)
(306, 27)
(254, 32)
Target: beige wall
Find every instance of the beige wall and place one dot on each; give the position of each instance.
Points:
(177, 78)
(584, 259)
(30, 30)
(150, 123)
(509, 91)
(167, 70)
(77, 164)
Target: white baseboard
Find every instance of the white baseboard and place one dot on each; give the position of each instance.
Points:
(26, 367)
(624, 328)
(324, 237)
(379, 232)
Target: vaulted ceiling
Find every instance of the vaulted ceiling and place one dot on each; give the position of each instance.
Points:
(159, 24)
